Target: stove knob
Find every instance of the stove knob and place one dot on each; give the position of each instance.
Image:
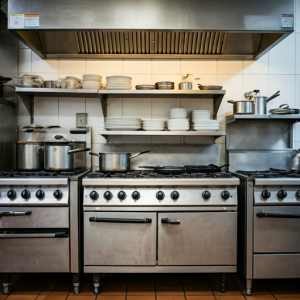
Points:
(135, 195)
(225, 195)
(94, 195)
(40, 194)
(298, 194)
(107, 195)
(282, 194)
(122, 195)
(206, 195)
(11, 194)
(175, 195)
(160, 195)
(58, 194)
(25, 194)
(266, 194)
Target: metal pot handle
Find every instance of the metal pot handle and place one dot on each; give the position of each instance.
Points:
(230, 101)
(137, 154)
(39, 148)
(78, 150)
(60, 137)
(95, 154)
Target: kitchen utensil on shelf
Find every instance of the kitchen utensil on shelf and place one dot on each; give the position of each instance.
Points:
(211, 168)
(30, 81)
(295, 162)
(70, 82)
(166, 170)
(284, 109)
(116, 162)
(209, 87)
(29, 156)
(243, 107)
(145, 87)
(165, 85)
(51, 84)
(185, 85)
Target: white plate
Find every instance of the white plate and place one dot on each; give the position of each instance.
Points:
(118, 76)
(196, 129)
(122, 129)
(122, 118)
(201, 111)
(180, 129)
(153, 129)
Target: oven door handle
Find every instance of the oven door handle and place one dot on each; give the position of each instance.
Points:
(170, 221)
(119, 220)
(34, 235)
(14, 213)
(276, 215)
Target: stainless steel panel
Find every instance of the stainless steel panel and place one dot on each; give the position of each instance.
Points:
(40, 217)
(159, 269)
(34, 181)
(275, 235)
(29, 157)
(18, 255)
(27, 235)
(56, 157)
(267, 266)
(277, 181)
(208, 238)
(118, 243)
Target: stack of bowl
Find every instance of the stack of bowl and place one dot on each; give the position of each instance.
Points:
(178, 120)
(165, 85)
(153, 124)
(202, 121)
(91, 81)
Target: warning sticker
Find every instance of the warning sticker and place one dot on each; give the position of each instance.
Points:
(16, 21)
(31, 21)
(287, 20)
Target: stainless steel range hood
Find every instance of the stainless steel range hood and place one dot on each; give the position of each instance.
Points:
(229, 29)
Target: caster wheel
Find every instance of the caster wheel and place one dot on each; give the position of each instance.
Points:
(248, 292)
(97, 290)
(76, 289)
(223, 290)
(6, 290)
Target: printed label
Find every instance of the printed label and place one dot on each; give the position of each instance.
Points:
(32, 21)
(16, 21)
(287, 21)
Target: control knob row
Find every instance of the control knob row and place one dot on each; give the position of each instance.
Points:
(25, 194)
(121, 195)
(281, 194)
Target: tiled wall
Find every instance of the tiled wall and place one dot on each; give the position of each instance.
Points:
(277, 70)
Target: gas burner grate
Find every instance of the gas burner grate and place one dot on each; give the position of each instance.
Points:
(212, 175)
(271, 173)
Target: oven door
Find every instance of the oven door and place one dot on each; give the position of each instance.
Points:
(202, 238)
(117, 238)
(34, 251)
(277, 229)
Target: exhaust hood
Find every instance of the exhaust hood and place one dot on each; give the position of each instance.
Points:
(228, 29)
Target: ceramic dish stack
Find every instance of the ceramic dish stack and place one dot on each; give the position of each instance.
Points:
(178, 120)
(153, 124)
(123, 124)
(118, 83)
(91, 81)
(202, 121)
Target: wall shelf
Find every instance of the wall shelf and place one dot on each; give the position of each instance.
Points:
(293, 117)
(27, 95)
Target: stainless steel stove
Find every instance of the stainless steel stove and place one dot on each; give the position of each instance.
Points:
(145, 222)
(39, 223)
(269, 227)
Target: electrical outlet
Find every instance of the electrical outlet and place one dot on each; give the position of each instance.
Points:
(81, 120)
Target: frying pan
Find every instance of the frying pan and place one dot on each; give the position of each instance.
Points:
(166, 170)
(204, 168)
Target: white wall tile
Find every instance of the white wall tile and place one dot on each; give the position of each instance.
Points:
(139, 139)
(106, 66)
(97, 138)
(67, 108)
(198, 66)
(165, 66)
(192, 104)
(286, 84)
(21, 45)
(256, 82)
(139, 79)
(161, 107)
(94, 112)
(137, 66)
(46, 111)
(282, 58)
(40, 65)
(175, 78)
(72, 66)
(115, 107)
(165, 139)
(24, 61)
(259, 66)
(53, 76)
(137, 108)
(297, 53)
(233, 67)
(204, 80)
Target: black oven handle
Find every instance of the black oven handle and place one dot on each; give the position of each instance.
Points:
(169, 221)
(276, 215)
(118, 220)
(14, 213)
(60, 234)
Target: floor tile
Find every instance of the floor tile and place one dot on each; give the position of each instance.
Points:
(169, 289)
(194, 289)
(134, 278)
(231, 290)
(85, 289)
(141, 289)
(3, 297)
(281, 288)
(228, 297)
(101, 297)
(116, 278)
(28, 288)
(257, 288)
(47, 297)
(167, 278)
(81, 297)
(194, 278)
(200, 298)
(113, 289)
(57, 289)
(170, 298)
(260, 297)
(131, 297)
(288, 297)
(21, 297)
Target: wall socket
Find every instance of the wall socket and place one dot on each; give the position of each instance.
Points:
(81, 120)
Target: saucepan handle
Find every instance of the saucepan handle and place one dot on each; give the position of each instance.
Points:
(137, 154)
(39, 148)
(95, 154)
(78, 150)
(230, 101)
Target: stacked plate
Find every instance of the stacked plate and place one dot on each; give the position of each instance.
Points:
(200, 114)
(165, 85)
(123, 124)
(145, 87)
(178, 124)
(91, 81)
(118, 83)
(202, 122)
(178, 113)
(153, 124)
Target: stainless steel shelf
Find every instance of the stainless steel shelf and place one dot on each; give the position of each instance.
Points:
(292, 117)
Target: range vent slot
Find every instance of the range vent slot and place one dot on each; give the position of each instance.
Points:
(150, 42)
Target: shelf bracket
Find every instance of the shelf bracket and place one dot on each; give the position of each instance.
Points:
(216, 104)
(28, 102)
(103, 100)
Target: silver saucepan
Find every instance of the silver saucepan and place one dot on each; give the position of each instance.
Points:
(115, 162)
(243, 107)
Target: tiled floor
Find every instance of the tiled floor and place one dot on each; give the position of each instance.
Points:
(148, 287)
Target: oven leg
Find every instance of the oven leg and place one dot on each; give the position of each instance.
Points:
(223, 282)
(248, 287)
(76, 282)
(96, 281)
(6, 279)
